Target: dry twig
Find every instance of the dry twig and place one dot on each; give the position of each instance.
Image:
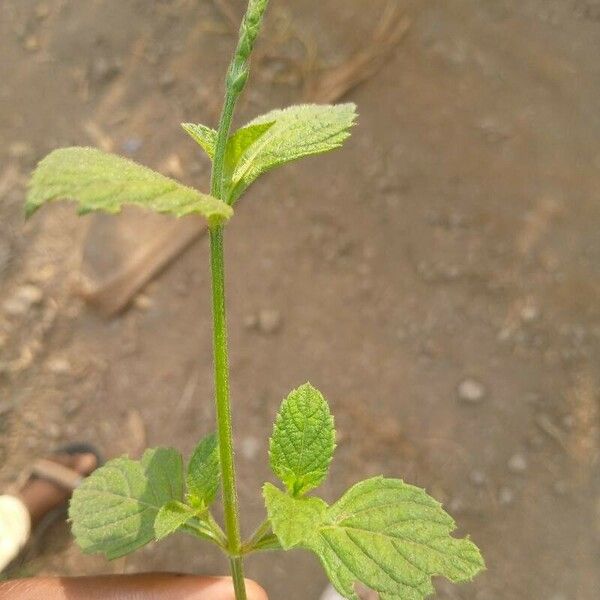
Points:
(335, 83)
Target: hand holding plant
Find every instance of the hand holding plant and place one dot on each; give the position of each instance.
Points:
(383, 533)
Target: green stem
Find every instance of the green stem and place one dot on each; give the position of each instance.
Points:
(237, 573)
(221, 358)
(223, 409)
(217, 180)
(237, 76)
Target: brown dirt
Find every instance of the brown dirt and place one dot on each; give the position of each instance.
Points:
(455, 237)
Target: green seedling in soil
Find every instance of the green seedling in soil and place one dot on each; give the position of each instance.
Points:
(382, 533)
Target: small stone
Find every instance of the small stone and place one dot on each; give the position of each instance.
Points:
(456, 505)
(32, 43)
(132, 145)
(58, 365)
(53, 430)
(477, 478)
(269, 321)
(23, 299)
(517, 464)
(506, 496)
(529, 313)
(167, 80)
(471, 391)
(103, 71)
(143, 302)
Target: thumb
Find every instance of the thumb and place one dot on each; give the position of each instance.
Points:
(222, 589)
(148, 586)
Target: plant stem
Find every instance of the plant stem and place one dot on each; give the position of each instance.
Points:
(237, 76)
(217, 182)
(221, 358)
(223, 409)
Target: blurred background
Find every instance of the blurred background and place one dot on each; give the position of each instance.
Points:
(438, 279)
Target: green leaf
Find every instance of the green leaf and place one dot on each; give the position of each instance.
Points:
(105, 182)
(383, 533)
(307, 515)
(297, 132)
(204, 136)
(164, 469)
(303, 440)
(237, 144)
(203, 473)
(171, 517)
(240, 141)
(114, 510)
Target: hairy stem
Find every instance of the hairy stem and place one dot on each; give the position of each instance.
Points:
(217, 180)
(223, 409)
(237, 76)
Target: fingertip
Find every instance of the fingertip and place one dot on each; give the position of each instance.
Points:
(223, 590)
(255, 591)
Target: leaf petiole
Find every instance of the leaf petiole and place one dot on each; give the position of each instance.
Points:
(262, 531)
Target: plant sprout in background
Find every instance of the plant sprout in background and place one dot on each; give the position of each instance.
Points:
(382, 533)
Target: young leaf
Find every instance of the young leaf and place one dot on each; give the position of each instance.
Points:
(297, 132)
(171, 517)
(203, 472)
(114, 510)
(383, 533)
(204, 136)
(237, 144)
(241, 140)
(106, 182)
(303, 440)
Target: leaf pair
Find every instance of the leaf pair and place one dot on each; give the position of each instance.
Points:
(274, 139)
(383, 533)
(98, 181)
(126, 503)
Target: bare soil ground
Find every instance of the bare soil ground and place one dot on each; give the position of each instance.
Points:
(438, 279)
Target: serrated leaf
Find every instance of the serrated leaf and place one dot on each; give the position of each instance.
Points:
(171, 517)
(114, 510)
(98, 181)
(298, 131)
(383, 533)
(203, 472)
(303, 440)
(204, 136)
